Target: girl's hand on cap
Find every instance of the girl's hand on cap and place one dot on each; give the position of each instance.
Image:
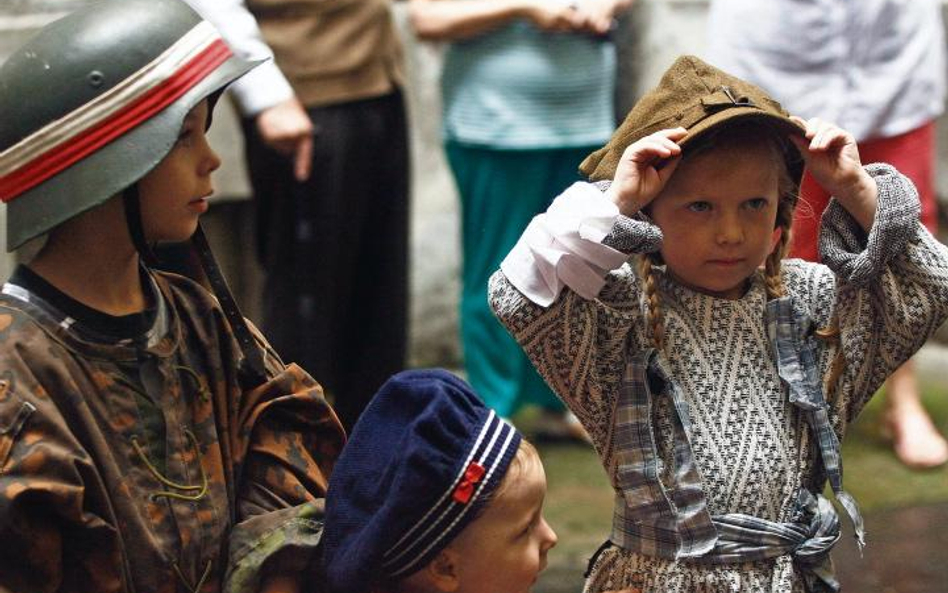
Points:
(644, 169)
(832, 158)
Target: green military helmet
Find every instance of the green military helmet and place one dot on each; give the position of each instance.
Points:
(97, 99)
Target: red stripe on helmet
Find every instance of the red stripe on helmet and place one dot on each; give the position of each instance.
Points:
(87, 142)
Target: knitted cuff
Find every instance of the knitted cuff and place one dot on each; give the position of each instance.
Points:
(632, 235)
(844, 246)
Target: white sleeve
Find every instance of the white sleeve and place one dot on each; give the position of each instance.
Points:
(265, 85)
(563, 247)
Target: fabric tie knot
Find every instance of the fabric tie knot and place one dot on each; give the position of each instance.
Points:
(809, 537)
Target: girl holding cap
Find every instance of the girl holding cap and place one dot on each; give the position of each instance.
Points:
(715, 378)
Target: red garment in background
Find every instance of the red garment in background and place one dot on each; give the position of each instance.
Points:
(912, 153)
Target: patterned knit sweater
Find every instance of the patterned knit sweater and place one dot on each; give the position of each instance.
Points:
(888, 291)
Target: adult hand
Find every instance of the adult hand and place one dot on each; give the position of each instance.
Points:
(832, 158)
(556, 16)
(286, 128)
(644, 169)
(600, 15)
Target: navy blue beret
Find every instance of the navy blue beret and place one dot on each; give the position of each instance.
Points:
(420, 463)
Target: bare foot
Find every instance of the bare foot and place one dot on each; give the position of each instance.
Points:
(915, 440)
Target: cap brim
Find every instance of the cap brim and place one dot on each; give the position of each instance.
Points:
(792, 156)
(735, 114)
(602, 163)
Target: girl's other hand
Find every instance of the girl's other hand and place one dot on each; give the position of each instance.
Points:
(832, 158)
(644, 169)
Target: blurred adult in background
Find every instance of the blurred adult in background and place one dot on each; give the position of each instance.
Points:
(327, 152)
(876, 68)
(527, 91)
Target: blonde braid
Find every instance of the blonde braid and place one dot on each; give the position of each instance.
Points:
(652, 299)
(773, 280)
(831, 335)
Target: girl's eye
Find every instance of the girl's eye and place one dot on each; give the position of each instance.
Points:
(699, 206)
(757, 203)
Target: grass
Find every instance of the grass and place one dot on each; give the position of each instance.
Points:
(872, 473)
(579, 499)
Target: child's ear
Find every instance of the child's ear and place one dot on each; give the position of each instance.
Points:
(775, 238)
(443, 571)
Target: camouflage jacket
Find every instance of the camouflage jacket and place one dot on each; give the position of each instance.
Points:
(142, 465)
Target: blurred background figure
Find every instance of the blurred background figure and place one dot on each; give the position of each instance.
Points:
(327, 154)
(876, 68)
(527, 91)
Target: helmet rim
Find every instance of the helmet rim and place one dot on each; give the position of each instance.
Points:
(108, 170)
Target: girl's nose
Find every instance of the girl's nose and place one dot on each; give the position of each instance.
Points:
(729, 230)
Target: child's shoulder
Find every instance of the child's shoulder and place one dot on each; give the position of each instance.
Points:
(184, 289)
(20, 324)
(796, 271)
(811, 285)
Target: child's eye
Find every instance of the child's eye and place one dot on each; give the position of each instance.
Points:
(757, 203)
(185, 136)
(534, 521)
(699, 206)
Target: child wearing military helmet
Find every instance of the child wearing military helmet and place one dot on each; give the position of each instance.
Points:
(150, 439)
(716, 378)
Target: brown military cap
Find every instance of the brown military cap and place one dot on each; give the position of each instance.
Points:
(696, 96)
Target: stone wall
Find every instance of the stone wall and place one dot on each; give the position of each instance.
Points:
(649, 37)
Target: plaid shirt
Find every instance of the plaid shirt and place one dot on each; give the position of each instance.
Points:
(671, 520)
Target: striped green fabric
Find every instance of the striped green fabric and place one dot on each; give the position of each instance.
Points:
(518, 87)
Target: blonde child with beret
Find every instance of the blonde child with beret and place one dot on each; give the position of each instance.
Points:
(716, 378)
(435, 493)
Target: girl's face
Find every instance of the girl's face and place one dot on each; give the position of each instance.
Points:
(504, 550)
(174, 194)
(717, 214)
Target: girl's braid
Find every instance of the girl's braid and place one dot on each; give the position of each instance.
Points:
(652, 301)
(773, 279)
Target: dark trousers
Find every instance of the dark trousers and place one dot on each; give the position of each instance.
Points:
(334, 249)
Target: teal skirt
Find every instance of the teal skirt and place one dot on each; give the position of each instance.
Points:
(501, 191)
